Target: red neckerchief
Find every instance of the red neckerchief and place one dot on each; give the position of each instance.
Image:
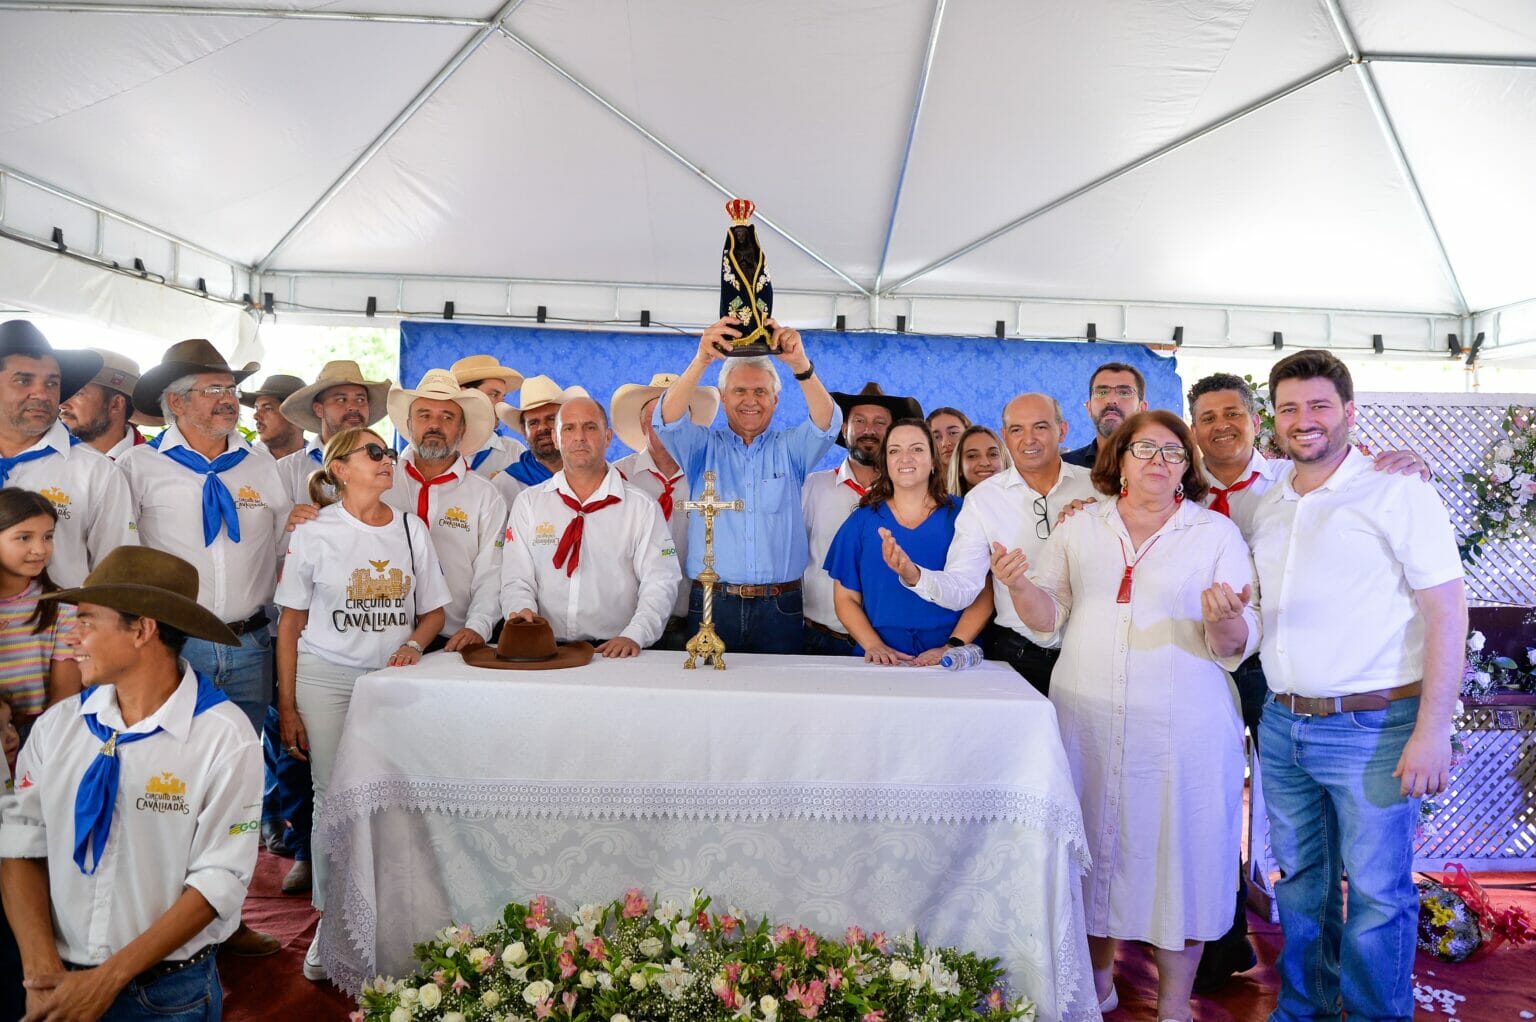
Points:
(570, 540)
(426, 487)
(665, 500)
(1220, 505)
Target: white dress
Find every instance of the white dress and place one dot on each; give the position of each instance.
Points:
(1150, 720)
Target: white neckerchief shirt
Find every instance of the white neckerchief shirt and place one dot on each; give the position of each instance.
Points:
(500, 451)
(826, 501)
(128, 442)
(1338, 568)
(92, 500)
(234, 579)
(1000, 509)
(628, 575)
(1244, 501)
(363, 585)
(297, 467)
(465, 518)
(188, 814)
(640, 471)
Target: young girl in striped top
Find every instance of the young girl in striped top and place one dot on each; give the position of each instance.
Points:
(37, 664)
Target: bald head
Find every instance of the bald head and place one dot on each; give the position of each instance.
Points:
(1033, 429)
(582, 433)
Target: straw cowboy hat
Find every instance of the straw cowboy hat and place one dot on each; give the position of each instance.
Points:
(529, 646)
(20, 337)
(537, 392)
(121, 374)
(440, 385)
(297, 407)
(278, 386)
(624, 408)
(150, 583)
(899, 407)
(471, 369)
(184, 358)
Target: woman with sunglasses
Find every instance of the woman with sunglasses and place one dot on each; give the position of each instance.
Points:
(1154, 601)
(361, 589)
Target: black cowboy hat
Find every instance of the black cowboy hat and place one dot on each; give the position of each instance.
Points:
(20, 337)
(900, 407)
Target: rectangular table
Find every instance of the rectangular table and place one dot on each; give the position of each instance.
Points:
(819, 791)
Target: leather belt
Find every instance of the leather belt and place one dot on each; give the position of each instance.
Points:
(818, 626)
(753, 592)
(155, 973)
(250, 624)
(1327, 706)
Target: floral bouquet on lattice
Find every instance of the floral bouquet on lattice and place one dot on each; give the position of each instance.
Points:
(1504, 490)
(627, 960)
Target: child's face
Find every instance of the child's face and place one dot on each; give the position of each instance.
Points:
(27, 546)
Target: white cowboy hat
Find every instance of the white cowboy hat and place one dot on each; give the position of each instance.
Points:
(440, 385)
(624, 408)
(537, 392)
(296, 406)
(471, 369)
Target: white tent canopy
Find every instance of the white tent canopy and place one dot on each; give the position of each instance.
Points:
(1332, 169)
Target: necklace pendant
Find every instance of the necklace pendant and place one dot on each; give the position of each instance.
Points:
(1124, 595)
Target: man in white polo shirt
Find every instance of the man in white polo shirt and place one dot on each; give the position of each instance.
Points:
(1365, 620)
(585, 550)
(37, 453)
(1013, 510)
(464, 514)
(129, 841)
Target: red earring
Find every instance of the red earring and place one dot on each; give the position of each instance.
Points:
(1123, 491)
(1178, 495)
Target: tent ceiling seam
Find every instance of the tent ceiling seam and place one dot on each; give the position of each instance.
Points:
(1124, 169)
(427, 91)
(278, 14)
(906, 155)
(659, 143)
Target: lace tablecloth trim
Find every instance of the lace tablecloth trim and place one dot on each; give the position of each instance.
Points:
(735, 802)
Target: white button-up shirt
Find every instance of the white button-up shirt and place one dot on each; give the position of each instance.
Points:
(500, 451)
(827, 499)
(296, 469)
(92, 500)
(234, 579)
(1338, 568)
(1001, 509)
(640, 471)
(465, 518)
(1244, 501)
(129, 441)
(188, 814)
(627, 579)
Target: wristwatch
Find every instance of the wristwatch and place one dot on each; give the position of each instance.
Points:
(954, 642)
(413, 644)
(810, 371)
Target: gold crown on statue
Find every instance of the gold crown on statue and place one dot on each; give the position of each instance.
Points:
(740, 210)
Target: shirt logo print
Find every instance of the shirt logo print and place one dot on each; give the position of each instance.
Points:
(59, 499)
(375, 600)
(455, 518)
(165, 793)
(249, 498)
(544, 534)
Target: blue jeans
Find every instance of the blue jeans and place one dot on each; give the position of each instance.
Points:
(244, 672)
(1334, 807)
(289, 798)
(818, 643)
(191, 995)
(763, 624)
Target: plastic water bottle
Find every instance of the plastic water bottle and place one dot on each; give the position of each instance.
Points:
(961, 657)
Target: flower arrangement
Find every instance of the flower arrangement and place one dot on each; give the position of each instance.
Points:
(1488, 672)
(1457, 920)
(629, 960)
(1503, 491)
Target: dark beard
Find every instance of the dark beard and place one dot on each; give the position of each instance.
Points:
(86, 432)
(866, 458)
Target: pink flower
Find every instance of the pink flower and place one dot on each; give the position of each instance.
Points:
(569, 1000)
(875, 1016)
(807, 942)
(701, 921)
(486, 964)
(878, 940)
(461, 935)
(597, 949)
(356, 1016)
(439, 977)
(460, 984)
(995, 1000)
(635, 904)
(728, 924)
(538, 913)
(732, 972)
(834, 977)
(778, 973)
(782, 934)
(543, 1008)
(853, 935)
(810, 997)
(727, 994)
(567, 965)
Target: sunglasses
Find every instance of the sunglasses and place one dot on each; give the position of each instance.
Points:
(377, 452)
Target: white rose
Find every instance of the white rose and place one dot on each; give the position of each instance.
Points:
(1504, 452)
(400, 1014)
(408, 995)
(537, 991)
(621, 1017)
(1530, 655)
(515, 954)
(478, 955)
(490, 998)
(1516, 512)
(650, 947)
(453, 1016)
(900, 972)
(1484, 678)
(769, 1006)
(587, 979)
(1502, 473)
(637, 981)
(430, 996)
(1476, 641)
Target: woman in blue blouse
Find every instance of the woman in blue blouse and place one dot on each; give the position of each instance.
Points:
(890, 623)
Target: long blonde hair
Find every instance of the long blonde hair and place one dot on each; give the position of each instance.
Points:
(324, 487)
(957, 484)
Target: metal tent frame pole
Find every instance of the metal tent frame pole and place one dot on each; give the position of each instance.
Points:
(270, 14)
(906, 153)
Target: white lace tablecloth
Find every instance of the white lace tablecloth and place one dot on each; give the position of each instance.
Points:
(819, 791)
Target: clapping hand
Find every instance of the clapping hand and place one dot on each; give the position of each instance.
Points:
(1009, 567)
(897, 560)
(1221, 603)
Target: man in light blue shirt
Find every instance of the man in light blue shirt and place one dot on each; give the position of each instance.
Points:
(761, 552)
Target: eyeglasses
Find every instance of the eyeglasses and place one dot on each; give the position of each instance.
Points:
(1124, 393)
(377, 452)
(1146, 450)
(216, 391)
(1043, 526)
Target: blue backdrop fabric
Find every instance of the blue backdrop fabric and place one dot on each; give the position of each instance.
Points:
(975, 374)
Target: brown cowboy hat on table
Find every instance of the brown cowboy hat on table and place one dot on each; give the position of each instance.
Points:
(184, 358)
(297, 407)
(529, 646)
(624, 407)
(899, 406)
(440, 385)
(153, 584)
(21, 337)
(471, 369)
(537, 392)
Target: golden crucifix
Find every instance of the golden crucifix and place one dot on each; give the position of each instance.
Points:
(706, 643)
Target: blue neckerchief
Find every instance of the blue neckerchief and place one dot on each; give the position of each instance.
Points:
(528, 470)
(479, 459)
(314, 455)
(155, 440)
(75, 441)
(7, 464)
(97, 795)
(218, 502)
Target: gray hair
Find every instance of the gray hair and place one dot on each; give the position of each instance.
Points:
(182, 388)
(755, 362)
